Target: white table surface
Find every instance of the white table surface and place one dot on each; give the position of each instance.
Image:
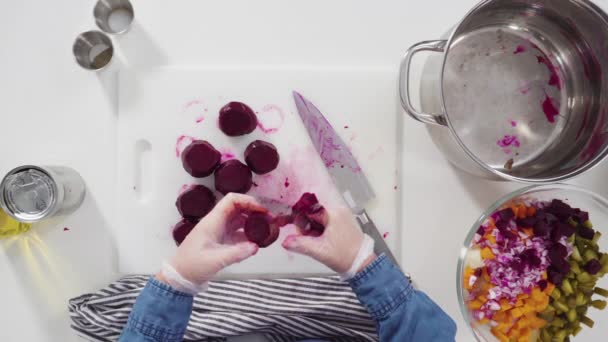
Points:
(53, 112)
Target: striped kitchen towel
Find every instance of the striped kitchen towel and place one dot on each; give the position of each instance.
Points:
(282, 309)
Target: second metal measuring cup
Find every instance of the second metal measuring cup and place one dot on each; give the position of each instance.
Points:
(113, 16)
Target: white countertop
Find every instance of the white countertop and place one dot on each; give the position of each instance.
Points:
(53, 112)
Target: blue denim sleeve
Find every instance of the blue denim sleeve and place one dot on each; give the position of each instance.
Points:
(160, 313)
(401, 312)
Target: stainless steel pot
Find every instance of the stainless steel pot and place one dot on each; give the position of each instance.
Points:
(519, 89)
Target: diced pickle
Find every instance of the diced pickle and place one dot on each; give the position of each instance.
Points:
(598, 304)
(600, 291)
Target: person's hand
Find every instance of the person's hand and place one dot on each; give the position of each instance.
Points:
(216, 241)
(337, 247)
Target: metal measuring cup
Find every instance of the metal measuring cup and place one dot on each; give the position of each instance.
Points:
(93, 50)
(113, 16)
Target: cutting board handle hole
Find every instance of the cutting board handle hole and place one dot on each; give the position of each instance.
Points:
(143, 169)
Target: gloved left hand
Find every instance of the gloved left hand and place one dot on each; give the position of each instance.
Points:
(213, 244)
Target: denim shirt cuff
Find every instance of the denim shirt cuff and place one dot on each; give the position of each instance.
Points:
(381, 287)
(158, 310)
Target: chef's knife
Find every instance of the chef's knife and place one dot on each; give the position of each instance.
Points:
(343, 169)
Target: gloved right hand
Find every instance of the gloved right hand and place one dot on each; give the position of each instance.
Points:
(342, 247)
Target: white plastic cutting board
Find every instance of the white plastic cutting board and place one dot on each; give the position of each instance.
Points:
(158, 106)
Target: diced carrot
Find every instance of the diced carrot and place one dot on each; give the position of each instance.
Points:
(521, 211)
(503, 327)
(513, 333)
(537, 294)
(527, 309)
(499, 335)
(515, 209)
(550, 288)
(523, 296)
(530, 211)
(486, 276)
(524, 335)
(544, 276)
(528, 231)
(516, 312)
(491, 223)
(482, 298)
(505, 305)
(519, 303)
(486, 253)
(475, 304)
(500, 316)
(491, 239)
(483, 321)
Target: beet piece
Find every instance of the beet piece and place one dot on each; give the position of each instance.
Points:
(527, 222)
(560, 230)
(236, 118)
(200, 159)
(181, 230)
(261, 157)
(506, 214)
(557, 252)
(593, 266)
(555, 276)
(541, 229)
(195, 202)
(261, 229)
(586, 233)
(562, 266)
(233, 176)
(308, 214)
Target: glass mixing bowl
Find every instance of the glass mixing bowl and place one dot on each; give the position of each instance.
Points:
(575, 196)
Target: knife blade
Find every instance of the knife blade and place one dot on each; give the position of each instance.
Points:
(343, 168)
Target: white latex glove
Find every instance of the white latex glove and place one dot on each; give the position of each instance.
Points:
(215, 242)
(342, 247)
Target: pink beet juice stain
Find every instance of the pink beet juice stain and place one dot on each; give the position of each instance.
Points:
(513, 123)
(385, 235)
(271, 119)
(226, 155)
(65, 229)
(508, 142)
(199, 119)
(520, 49)
(554, 79)
(332, 154)
(287, 182)
(550, 109)
(182, 142)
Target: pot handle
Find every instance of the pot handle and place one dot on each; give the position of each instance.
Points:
(404, 81)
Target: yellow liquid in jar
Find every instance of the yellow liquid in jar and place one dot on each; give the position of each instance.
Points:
(10, 227)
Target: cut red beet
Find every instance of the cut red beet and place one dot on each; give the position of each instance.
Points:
(233, 176)
(261, 156)
(261, 229)
(195, 202)
(308, 214)
(200, 159)
(236, 118)
(181, 230)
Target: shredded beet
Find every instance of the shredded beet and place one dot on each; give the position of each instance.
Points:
(181, 230)
(261, 229)
(261, 156)
(200, 159)
(236, 118)
(195, 202)
(233, 176)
